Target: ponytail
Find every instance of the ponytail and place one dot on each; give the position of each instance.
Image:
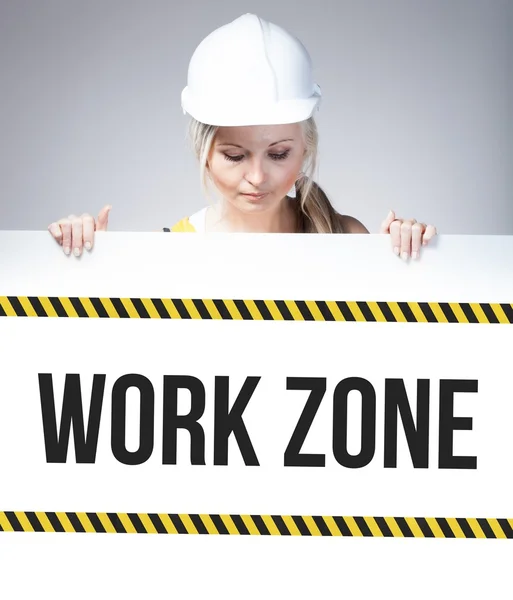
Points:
(315, 212)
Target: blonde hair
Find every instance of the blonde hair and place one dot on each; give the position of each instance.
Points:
(314, 210)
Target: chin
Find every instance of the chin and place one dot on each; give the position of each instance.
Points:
(254, 206)
(251, 206)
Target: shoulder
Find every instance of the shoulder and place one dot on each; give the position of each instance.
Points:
(351, 225)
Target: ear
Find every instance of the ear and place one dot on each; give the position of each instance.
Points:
(209, 158)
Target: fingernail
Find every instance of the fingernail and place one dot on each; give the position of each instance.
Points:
(396, 250)
(76, 251)
(67, 250)
(404, 255)
(87, 245)
(414, 255)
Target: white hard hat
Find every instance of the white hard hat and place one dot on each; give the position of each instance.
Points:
(250, 72)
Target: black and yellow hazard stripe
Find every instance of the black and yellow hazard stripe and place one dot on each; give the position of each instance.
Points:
(214, 524)
(257, 310)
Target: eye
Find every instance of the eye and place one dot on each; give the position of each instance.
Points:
(239, 158)
(281, 156)
(233, 158)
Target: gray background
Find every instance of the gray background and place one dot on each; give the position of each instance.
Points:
(417, 113)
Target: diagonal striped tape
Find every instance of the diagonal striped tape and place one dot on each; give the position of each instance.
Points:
(249, 310)
(278, 525)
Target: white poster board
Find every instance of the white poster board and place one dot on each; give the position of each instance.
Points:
(295, 415)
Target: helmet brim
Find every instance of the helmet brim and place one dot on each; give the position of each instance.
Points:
(245, 114)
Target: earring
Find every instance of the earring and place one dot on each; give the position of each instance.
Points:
(292, 192)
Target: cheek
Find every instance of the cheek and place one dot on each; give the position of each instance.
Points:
(223, 174)
(289, 174)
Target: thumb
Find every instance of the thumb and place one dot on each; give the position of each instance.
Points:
(385, 225)
(103, 218)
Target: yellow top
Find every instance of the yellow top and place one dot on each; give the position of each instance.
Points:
(183, 226)
(195, 223)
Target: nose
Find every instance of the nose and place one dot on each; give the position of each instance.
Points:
(256, 174)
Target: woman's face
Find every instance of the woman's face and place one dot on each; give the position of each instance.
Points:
(258, 159)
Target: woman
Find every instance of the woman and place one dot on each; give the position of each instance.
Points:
(251, 98)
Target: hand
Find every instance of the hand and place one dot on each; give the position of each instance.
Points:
(407, 235)
(77, 232)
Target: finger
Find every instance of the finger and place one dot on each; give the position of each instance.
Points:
(65, 225)
(429, 234)
(56, 232)
(103, 218)
(88, 231)
(76, 234)
(416, 239)
(385, 225)
(406, 239)
(395, 236)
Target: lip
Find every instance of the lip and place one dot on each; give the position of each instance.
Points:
(256, 196)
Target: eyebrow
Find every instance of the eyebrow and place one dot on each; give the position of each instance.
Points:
(273, 144)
